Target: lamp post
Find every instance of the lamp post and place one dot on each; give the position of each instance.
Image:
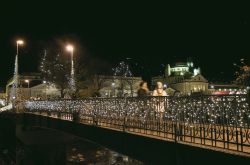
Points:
(15, 77)
(18, 42)
(28, 82)
(70, 49)
(113, 89)
(46, 86)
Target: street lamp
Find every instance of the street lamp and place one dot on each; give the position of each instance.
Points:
(70, 49)
(18, 42)
(46, 86)
(28, 82)
(113, 89)
(15, 77)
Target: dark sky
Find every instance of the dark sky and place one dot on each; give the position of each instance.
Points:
(215, 36)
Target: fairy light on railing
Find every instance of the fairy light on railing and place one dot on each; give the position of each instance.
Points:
(209, 109)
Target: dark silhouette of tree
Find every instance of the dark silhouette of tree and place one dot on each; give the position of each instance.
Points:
(55, 69)
(243, 73)
(55, 63)
(90, 71)
(122, 70)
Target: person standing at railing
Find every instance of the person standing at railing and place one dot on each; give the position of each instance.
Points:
(160, 106)
(143, 91)
(159, 91)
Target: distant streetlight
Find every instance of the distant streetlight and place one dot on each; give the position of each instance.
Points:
(46, 86)
(28, 82)
(70, 49)
(113, 89)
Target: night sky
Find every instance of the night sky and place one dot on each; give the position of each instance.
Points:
(153, 34)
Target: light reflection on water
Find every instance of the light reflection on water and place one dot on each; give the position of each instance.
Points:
(84, 152)
(53, 147)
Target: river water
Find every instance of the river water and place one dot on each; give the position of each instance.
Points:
(48, 147)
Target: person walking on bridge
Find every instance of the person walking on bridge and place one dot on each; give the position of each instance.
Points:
(143, 91)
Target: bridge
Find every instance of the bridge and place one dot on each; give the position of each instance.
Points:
(155, 129)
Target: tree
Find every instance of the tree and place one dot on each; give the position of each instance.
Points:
(55, 64)
(243, 74)
(123, 71)
(55, 68)
(89, 73)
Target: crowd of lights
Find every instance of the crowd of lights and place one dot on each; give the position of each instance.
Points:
(229, 110)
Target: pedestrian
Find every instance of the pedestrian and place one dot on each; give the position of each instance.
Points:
(143, 91)
(159, 91)
(160, 102)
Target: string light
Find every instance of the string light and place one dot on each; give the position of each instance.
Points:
(229, 110)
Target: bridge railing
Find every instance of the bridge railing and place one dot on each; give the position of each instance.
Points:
(219, 121)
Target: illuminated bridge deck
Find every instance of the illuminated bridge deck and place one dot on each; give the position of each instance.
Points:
(211, 122)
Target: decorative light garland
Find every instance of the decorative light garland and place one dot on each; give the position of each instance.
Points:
(230, 110)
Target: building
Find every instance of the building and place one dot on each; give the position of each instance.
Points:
(110, 86)
(117, 86)
(44, 91)
(31, 86)
(184, 79)
(226, 89)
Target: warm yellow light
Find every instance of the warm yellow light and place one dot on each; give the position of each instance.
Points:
(27, 81)
(19, 42)
(70, 48)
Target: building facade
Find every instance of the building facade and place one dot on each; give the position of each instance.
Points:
(184, 79)
(25, 81)
(226, 89)
(117, 86)
(31, 86)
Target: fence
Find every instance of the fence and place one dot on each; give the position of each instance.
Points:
(218, 121)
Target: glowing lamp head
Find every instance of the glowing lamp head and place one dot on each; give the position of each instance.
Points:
(19, 42)
(70, 48)
(27, 81)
